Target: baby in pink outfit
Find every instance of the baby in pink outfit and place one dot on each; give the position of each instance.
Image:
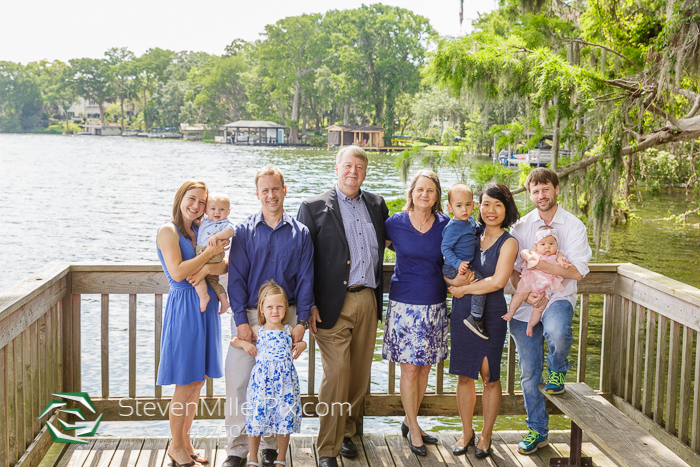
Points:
(535, 280)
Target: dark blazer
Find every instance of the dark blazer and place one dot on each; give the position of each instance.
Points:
(321, 214)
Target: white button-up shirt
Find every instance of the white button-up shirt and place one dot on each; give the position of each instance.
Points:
(573, 243)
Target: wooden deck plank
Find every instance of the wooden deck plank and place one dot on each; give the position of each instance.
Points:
(361, 459)
(444, 447)
(302, 451)
(447, 442)
(400, 452)
(76, 455)
(504, 452)
(102, 452)
(127, 452)
(152, 453)
(377, 451)
(510, 441)
(220, 453)
(205, 447)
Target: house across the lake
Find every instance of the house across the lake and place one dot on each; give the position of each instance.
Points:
(367, 137)
(254, 133)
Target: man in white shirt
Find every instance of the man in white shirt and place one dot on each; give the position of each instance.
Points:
(543, 187)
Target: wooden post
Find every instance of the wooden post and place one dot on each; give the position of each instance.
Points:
(582, 342)
(672, 381)
(660, 377)
(158, 332)
(686, 382)
(649, 364)
(132, 346)
(510, 369)
(104, 338)
(606, 345)
(67, 337)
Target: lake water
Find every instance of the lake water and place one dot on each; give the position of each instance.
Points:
(103, 199)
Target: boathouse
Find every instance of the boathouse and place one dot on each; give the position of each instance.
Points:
(368, 137)
(251, 132)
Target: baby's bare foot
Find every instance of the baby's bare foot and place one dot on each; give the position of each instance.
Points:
(224, 303)
(203, 302)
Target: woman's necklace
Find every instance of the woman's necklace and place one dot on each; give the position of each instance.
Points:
(420, 225)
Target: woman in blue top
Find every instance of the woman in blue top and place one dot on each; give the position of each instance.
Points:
(471, 355)
(190, 347)
(416, 331)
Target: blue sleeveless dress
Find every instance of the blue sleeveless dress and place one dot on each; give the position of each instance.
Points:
(468, 350)
(190, 346)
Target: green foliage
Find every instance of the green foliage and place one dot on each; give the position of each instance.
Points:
(662, 169)
(318, 141)
(396, 205)
(484, 174)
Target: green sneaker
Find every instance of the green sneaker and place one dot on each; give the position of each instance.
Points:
(532, 442)
(555, 384)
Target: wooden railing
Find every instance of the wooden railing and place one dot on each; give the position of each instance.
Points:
(645, 368)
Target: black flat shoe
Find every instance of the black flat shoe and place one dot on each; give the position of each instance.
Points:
(481, 454)
(427, 439)
(269, 456)
(417, 450)
(348, 448)
(461, 450)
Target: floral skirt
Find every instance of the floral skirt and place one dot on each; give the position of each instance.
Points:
(415, 334)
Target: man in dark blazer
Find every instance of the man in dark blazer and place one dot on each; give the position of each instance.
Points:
(347, 228)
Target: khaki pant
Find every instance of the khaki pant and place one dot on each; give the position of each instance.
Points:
(211, 279)
(238, 367)
(346, 354)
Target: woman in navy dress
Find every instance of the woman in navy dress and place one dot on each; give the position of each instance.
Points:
(190, 347)
(472, 355)
(416, 329)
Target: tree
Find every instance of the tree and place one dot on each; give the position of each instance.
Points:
(635, 88)
(91, 78)
(293, 49)
(20, 98)
(121, 62)
(381, 49)
(151, 70)
(60, 91)
(223, 95)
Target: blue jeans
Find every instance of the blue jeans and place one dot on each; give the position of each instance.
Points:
(478, 301)
(556, 328)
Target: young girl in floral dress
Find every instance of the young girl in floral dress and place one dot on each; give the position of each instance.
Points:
(273, 399)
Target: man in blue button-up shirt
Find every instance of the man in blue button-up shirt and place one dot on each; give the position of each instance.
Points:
(268, 245)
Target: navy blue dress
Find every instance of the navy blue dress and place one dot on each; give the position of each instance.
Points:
(469, 350)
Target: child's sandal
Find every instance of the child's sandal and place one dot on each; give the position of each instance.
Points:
(281, 462)
(254, 463)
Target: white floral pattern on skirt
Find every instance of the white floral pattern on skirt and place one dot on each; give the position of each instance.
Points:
(415, 334)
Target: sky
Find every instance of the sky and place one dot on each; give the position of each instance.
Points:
(59, 30)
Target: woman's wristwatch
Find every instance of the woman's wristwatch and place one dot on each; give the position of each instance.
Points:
(304, 323)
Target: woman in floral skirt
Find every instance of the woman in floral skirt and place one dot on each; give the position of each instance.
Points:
(416, 326)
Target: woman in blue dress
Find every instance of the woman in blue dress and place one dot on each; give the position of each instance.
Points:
(190, 348)
(472, 355)
(416, 329)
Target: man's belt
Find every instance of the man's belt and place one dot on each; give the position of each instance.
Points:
(357, 288)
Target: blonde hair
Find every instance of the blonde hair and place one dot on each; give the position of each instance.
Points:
(269, 170)
(458, 188)
(219, 197)
(432, 176)
(355, 151)
(177, 219)
(268, 289)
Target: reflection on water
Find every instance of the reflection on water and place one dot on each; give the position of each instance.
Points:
(103, 199)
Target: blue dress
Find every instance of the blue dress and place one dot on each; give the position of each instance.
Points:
(273, 398)
(416, 329)
(190, 346)
(469, 350)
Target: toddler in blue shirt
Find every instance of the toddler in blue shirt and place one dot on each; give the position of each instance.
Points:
(214, 226)
(459, 242)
